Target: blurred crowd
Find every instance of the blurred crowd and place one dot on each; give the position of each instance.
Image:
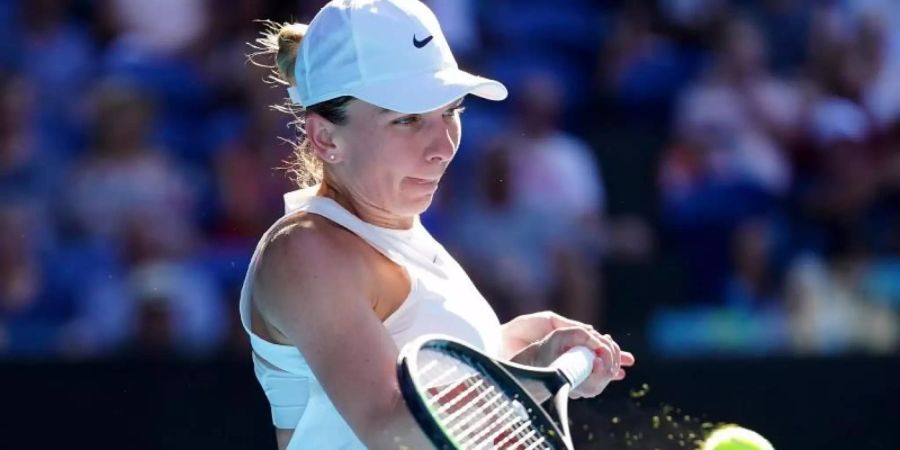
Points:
(742, 158)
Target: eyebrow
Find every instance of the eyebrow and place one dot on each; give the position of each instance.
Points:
(456, 104)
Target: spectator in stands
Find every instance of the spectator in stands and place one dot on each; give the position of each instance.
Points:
(33, 304)
(160, 26)
(833, 308)
(753, 285)
(124, 176)
(551, 171)
(520, 261)
(728, 159)
(556, 176)
(178, 309)
(641, 69)
(28, 171)
(50, 31)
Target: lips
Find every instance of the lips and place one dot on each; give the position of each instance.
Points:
(423, 180)
(428, 184)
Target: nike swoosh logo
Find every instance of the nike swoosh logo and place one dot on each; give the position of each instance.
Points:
(423, 42)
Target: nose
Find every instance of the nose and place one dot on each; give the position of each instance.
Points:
(444, 141)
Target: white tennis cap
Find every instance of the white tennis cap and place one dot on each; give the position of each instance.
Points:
(391, 53)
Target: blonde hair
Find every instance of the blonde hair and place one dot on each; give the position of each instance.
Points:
(288, 40)
(276, 49)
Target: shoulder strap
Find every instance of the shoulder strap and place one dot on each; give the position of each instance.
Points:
(331, 210)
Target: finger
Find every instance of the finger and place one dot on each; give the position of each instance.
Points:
(620, 375)
(627, 359)
(599, 379)
(601, 370)
(576, 394)
(575, 336)
(617, 353)
(558, 321)
(605, 349)
(540, 323)
(614, 357)
(570, 337)
(604, 356)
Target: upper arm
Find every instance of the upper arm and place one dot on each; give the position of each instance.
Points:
(314, 286)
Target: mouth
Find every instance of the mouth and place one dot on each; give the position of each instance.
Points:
(424, 182)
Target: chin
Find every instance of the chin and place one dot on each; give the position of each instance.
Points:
(416, 206)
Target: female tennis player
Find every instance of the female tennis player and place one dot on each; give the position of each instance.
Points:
(349, 275)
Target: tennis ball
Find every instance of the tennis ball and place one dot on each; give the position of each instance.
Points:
(733, 437)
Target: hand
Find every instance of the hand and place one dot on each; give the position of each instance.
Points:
(525, 330)
(608, 366)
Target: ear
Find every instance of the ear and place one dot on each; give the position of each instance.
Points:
(321, 134)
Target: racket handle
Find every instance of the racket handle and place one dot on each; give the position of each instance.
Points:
(576, 364)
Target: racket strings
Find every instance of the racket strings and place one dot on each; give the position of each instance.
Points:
(480, 436)
(509, 425)
(473, 410)
(475, 388)
(497, 423)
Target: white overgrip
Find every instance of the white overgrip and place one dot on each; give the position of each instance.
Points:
(575, 364)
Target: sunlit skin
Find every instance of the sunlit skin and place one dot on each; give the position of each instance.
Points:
(385, 166)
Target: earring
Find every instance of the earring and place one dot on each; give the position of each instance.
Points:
(331, 157)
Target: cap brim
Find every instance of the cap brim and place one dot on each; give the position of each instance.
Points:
(423, 93)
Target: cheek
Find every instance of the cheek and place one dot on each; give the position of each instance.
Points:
(456, 132)
(399, 156)
(380, 163)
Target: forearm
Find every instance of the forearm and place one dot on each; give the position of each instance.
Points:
(521, 332)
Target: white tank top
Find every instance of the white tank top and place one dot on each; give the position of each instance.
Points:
(442, 299)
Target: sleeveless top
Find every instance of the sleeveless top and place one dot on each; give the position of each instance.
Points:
(442, 299)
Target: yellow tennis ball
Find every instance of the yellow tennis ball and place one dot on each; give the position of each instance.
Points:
(733, 437)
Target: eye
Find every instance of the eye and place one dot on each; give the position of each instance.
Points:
(455, 111)
(409, 120)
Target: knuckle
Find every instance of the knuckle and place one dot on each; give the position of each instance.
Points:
(575, 332)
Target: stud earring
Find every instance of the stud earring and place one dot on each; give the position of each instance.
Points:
(331, 157)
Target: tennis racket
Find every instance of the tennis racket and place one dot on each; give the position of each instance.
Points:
(465, 400)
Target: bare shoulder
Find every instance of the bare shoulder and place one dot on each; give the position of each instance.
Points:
(318, 285)
(310, 240)
(306, 258)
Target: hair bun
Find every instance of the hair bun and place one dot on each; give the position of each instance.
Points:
(289, 37)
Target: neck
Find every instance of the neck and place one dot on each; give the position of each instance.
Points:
(367, 212)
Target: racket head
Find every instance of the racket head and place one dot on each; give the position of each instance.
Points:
(463, 399)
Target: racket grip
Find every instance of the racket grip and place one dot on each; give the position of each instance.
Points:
(576, 364)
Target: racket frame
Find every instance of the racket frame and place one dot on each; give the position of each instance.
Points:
(505, 373)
